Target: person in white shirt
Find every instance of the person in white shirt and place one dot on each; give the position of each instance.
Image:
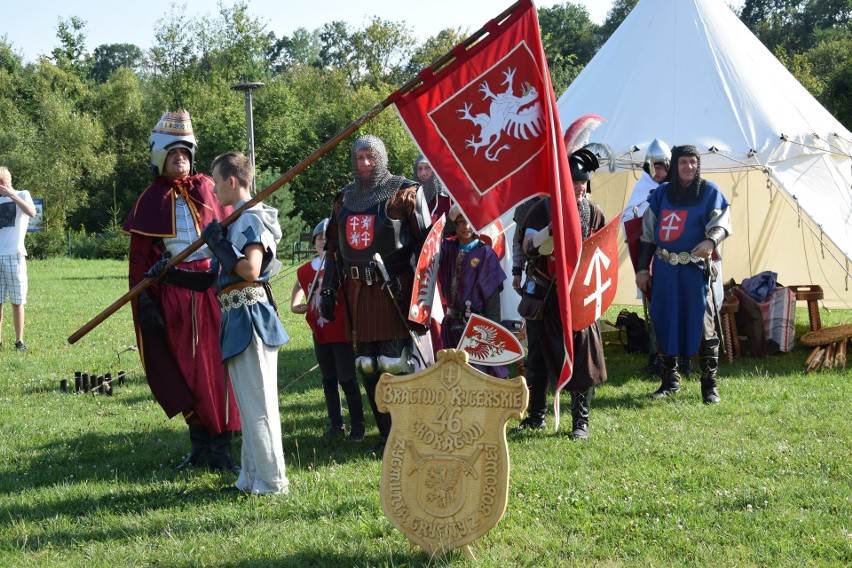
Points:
(16, 209)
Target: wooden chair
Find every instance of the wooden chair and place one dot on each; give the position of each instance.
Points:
(810, 293)
(303, 247)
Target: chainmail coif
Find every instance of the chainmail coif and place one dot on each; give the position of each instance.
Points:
(432, 187)
(365, 192)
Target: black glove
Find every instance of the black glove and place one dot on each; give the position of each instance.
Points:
(158, 267)
(214, 235)
(150, 318)
(328, 300)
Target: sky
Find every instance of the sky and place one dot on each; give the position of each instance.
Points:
(30, 26)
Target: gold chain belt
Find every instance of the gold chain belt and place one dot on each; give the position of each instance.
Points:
(241, 297)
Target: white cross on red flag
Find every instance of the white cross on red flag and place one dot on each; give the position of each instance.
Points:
(487, 123)
(597, 276)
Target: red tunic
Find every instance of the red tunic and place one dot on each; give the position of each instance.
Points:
(324, 331)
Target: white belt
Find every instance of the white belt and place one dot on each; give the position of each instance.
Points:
(243, 297)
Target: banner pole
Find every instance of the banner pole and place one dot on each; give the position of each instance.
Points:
(289, 175)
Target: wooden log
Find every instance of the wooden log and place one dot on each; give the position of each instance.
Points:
(816, 360)
(840, 357)
(828, 361)
(813, 354)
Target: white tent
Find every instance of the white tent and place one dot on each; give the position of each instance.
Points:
(689, 72)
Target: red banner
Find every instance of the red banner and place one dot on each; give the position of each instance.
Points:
(487, 122)
(426, 275)
(597, 276)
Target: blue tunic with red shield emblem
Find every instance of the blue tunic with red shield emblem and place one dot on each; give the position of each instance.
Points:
(680, 291)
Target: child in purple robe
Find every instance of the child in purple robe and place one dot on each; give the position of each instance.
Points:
(471, 280)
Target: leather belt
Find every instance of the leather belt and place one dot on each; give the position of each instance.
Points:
(675, 258)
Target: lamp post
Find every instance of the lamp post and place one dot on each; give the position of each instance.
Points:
(247, 88)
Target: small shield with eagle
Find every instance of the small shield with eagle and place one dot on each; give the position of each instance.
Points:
(445, 470)
(489, 343)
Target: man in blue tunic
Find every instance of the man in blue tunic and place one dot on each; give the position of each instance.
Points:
(686, 220)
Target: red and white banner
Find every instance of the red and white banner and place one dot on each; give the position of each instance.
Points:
(487, 123)
(426, 275)
(597, 276)
(489, 343)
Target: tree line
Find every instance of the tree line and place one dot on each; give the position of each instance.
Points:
(74, 125)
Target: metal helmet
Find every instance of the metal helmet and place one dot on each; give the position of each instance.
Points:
(320, 229)
(174, 130)
(658, 151)
(583, 162)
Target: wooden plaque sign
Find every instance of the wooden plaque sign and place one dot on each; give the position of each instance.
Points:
(445, 470)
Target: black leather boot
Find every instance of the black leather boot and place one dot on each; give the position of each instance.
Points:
(220, 451)
(709, 363)
(670, 377)
(333, 408)
(653, 366)
(352, 392)
(581, 405)
(199, 455)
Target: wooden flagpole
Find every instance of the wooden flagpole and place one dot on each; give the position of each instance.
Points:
(293, 172)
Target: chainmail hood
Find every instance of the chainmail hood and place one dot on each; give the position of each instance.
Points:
(366, 192)
(432, 187)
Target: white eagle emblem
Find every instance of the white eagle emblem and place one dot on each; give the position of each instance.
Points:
(520, 117)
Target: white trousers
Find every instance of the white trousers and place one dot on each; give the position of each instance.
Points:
(254, 378)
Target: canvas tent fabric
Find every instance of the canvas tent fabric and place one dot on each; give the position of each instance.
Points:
(690, 72)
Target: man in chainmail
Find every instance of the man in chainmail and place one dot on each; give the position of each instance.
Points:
(544, 336)
(686, 219)
(385, 215)
(433, 188)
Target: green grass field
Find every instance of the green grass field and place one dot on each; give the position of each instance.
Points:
(763, 479)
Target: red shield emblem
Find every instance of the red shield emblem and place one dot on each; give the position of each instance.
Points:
(671, 224)
(596, 278)
(494, 125)
(420, 309)
(489, 343)
(359, 231)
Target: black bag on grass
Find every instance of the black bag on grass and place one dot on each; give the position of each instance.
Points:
(634, 327)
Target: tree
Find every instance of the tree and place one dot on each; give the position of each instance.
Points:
(568, 36)
(70, 55)
(234, 45)
(110, 57)
(302, 48)
(172, 60)
(371, 56)
(619, 10)
(434, 48)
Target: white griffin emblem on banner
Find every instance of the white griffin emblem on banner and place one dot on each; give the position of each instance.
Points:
(508, 113)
